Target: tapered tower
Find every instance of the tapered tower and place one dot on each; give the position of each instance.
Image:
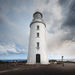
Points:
(37, 52)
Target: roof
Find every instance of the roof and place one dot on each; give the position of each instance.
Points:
(37, 12)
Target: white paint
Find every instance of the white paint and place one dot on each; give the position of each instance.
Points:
(32, 51)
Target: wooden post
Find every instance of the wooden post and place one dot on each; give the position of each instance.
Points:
(62, 61)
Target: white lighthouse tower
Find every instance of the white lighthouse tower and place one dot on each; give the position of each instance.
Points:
(37, 42)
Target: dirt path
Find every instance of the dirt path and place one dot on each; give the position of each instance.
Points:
(53, 69)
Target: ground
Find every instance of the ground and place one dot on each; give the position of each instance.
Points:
(51, 69)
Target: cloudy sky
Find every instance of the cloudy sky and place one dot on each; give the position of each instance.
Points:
(16, 16)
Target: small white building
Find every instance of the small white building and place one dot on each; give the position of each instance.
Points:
(37, 52)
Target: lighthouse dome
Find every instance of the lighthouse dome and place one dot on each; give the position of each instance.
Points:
(37, 15)
(37, 18)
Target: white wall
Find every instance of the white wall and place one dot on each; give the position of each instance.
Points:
(32, 51)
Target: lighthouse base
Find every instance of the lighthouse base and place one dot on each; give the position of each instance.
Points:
(37, 62)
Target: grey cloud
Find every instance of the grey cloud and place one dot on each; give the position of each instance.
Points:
(68, 36)
(1, 20)
(11, 49)
(0, 9)
(70, 21)
(63, 2)
(64, 32)
(47, 1)
(70, 15)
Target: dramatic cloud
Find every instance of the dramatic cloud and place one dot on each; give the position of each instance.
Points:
(59, 16)
(11, 49)
(65, 32)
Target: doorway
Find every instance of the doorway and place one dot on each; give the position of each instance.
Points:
(37, 58)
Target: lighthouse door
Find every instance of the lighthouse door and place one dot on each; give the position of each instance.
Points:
(37, 58)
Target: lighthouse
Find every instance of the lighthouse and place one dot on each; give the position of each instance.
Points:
(37, 52)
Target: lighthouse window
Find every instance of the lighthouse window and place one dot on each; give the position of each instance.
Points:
(37, 34)
(37, 27)
(37, 45)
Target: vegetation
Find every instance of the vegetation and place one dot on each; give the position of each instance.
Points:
(2, 62)
(52, 60)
